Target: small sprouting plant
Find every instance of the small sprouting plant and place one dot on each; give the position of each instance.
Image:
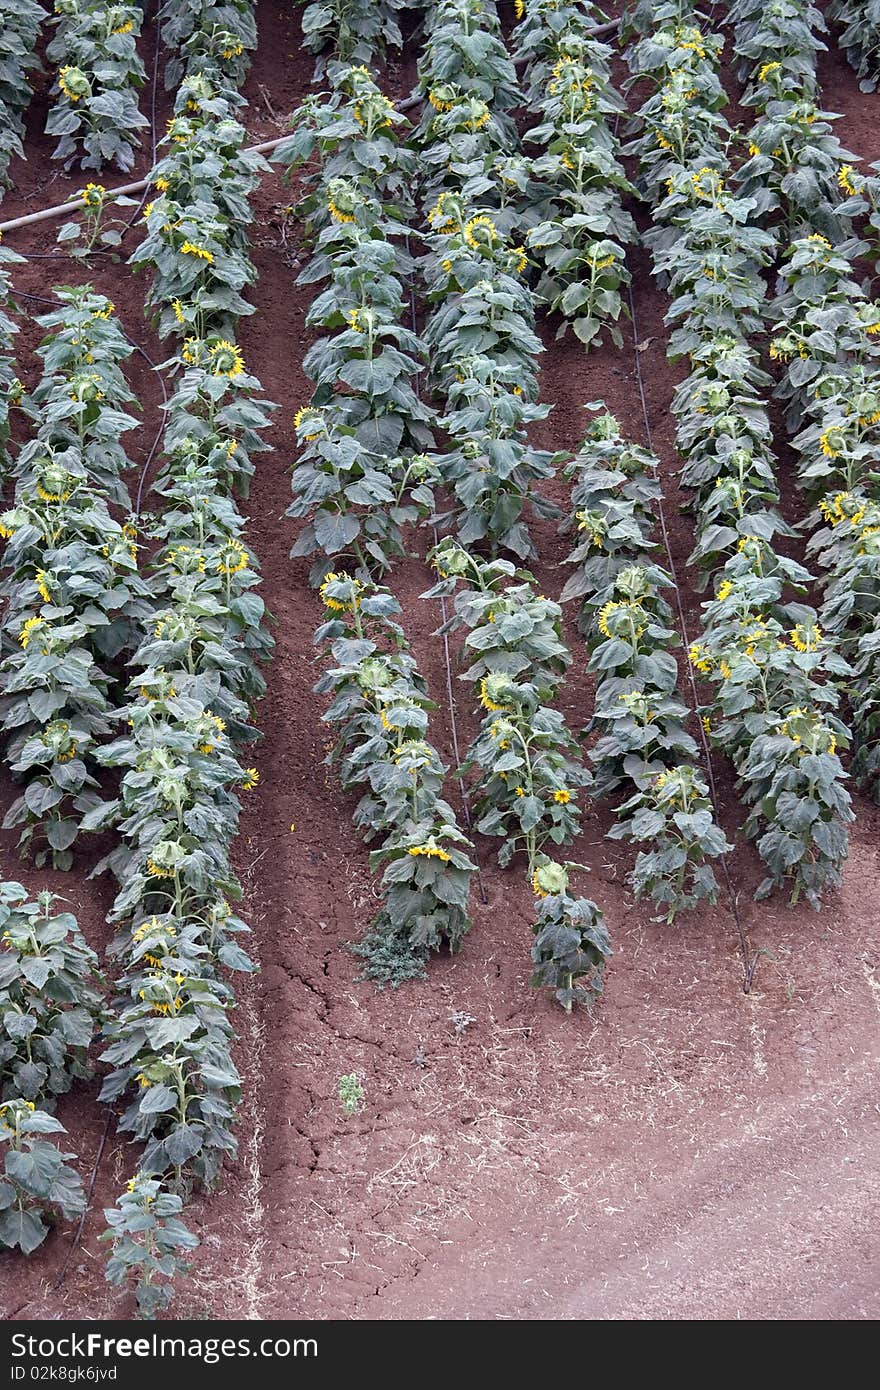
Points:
(351, 1093)
(461, 1021)
(147, 1237)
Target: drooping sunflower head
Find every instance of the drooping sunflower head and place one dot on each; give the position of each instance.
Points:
(180, 129)
(93, 195)
(309, 423)
(74, 84)
(708, 185)
(430, 850)
(232, 557)
(344, 200)
(340, 592)
(549, 879)
(451, 560)
(633, 583)
(58, 741)
(481, 234)
(833, 441)
(497, 692)
(225, 359)
(53, 482)
(806, 637)
(85, 387)
(373, 112)
(446, 214)
(28, 629)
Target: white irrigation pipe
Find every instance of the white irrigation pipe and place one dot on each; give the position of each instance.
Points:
(111, 194)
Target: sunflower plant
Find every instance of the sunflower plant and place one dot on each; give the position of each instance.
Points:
(673, 813)
(38, 1181)
(710, 256)
(96, 115)
(49, 997)
(356, 33)
(79, 238)
(794, 154)
(212, 38)
(354, 132)
(582, 228)
(510, 630)
(571, 946)
(20, 23)
(148, 1242)
(860, 39)
(380, 711)
(614, 497)
(525, 772)
(483, 350)
(365, 369)
(464, 47)
(638, 712)
(766, 658)
(356, 501)
(524, 759)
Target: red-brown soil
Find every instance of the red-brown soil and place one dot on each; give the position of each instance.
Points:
(685, 1151)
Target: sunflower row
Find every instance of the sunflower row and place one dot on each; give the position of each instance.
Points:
(710, 256)
(480, 330)
(51, 1006)
(362, 473)
(483, 352)
(825, 346)
(96, 116)
(794, 169)
(169, 1036)
(358, 481)
(524, 764)
(11, 389)
(195, 682)
(75, 603)
(74, 573)
(772, 710)
(357, 33)
(380, 711)
(196, 242)
(860, 39)
(643, 747)
(196, 679)
(577, 226)
(208, 38)
(20, 24)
